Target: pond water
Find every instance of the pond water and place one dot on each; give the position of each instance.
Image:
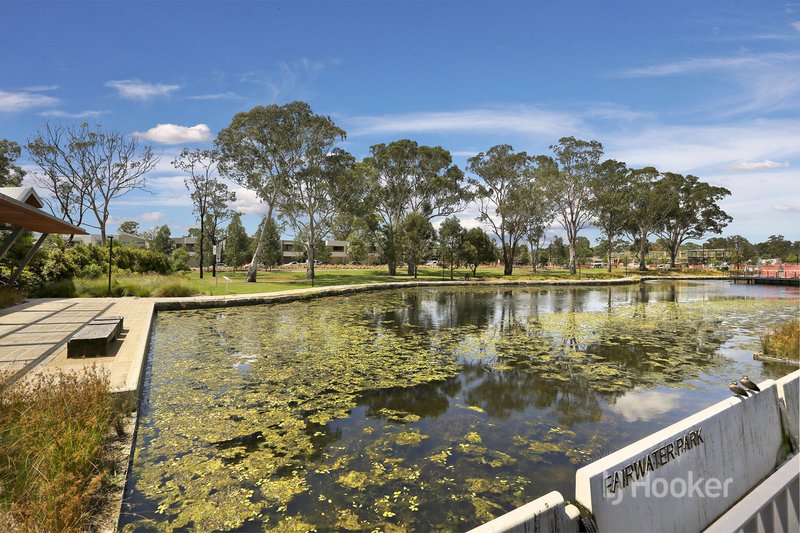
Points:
(423, 408)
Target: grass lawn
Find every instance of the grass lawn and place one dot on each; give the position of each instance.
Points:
(279, 280)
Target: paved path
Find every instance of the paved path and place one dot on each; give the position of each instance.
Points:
(34, 335)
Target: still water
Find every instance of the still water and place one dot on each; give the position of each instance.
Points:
(423, 408)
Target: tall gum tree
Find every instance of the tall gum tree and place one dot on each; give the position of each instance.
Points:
(647, 209)
(406, 178)
(325, 187)
(693, 211)
(505, 193)
(611, 192)
(261, 150)
(570, 189)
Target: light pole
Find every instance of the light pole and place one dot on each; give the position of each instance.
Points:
(110, 257)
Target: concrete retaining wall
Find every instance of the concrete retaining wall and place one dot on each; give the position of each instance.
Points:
(549, 513)
(685, 476)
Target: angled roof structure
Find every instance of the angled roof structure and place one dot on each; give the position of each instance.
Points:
(20, 207)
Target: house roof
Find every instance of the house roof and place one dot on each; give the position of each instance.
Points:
(18, 208)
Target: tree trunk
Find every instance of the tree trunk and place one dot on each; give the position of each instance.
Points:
(253, 270)
(310, 262)
(642, 254)
(673, 253)
(202, 255)
(411, 270)
(608, 235)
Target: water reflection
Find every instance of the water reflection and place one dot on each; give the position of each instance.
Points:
(422, 408)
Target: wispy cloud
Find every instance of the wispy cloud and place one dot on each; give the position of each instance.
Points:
(40, 88)
(516, 119)
(138, 90)
(759, 165)
(787, 208)
(757, 82)
(290, 79)
(215, 96)
(65, 114)
(14, 101)
(174, 134)
(706, 64)
(796, 25)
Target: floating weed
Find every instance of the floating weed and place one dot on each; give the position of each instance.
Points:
(222, 446)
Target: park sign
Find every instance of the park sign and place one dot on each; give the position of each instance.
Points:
(640, 468)
(685, 476)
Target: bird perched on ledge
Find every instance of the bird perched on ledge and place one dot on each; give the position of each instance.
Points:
(737, 390)
(749, 385)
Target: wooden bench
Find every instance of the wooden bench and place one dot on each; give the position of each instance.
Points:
(92, 340)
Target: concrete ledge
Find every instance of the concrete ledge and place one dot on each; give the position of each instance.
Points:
(545, 514)
(204, 302)
(645, 486)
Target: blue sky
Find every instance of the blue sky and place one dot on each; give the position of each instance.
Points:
(708, 88)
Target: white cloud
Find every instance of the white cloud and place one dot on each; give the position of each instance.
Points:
(645, 404)
(139, 90)
(174, 134)
(65, 114)
(247, 202)
(295, 79)
(152, 216)
(787, 208)
(796, 25)
(759, 165)
(22, 100)
(517, 119)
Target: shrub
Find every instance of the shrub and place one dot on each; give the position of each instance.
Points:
(174, 289)
(93, 271)
(64, 288)
(52, 431)
(9, 297)
(783, 341)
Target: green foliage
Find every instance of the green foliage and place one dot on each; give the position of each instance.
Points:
(416, 238)
(451, 242)
(779, 246)
(483, 246)
(52, 462)
(407, 177)
(180, 260)
(129, 226)
(237, 243)
(10, 174)
(270, 253)
(160, 240)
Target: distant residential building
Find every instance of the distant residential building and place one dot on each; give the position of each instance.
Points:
(190, 243)
(119, 238)
(339, 250)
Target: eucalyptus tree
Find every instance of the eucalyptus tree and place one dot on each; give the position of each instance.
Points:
(218, 213)
(507, 191)
(416, 238)
(647, 210)
(326, 185)
(693, 211)
(206, 191)
(84, 169)
(451, 242)
(406, 177)
(570, 189)
(237, 242)
(11, 174)
(612, 189)
(261, 150)
(478, 248)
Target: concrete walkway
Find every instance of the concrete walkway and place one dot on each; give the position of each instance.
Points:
(34, 335)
